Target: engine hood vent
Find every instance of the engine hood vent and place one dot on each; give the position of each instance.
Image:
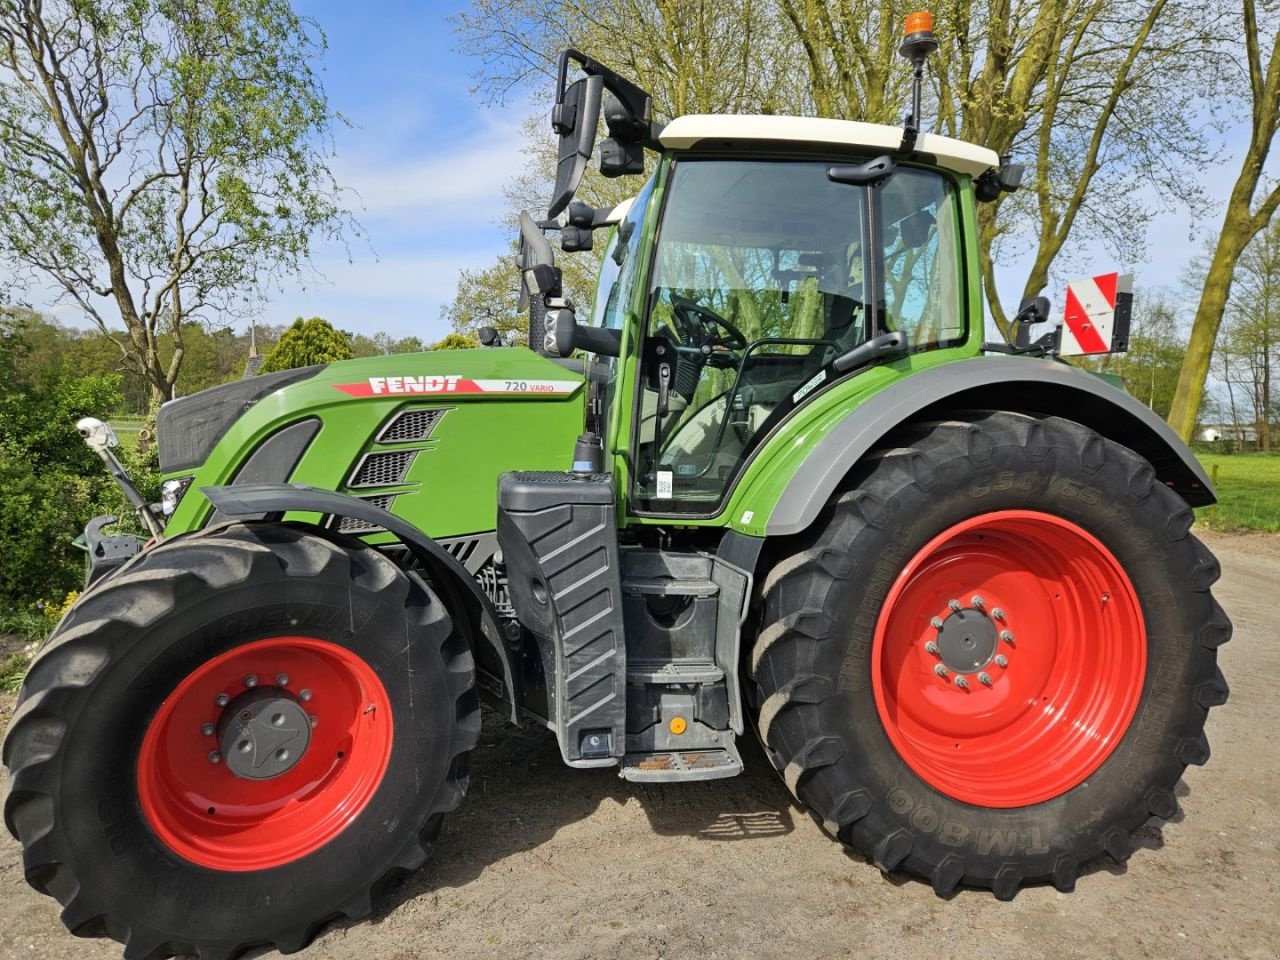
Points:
(410, 426)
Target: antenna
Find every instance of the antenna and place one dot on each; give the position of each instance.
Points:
(917, 44)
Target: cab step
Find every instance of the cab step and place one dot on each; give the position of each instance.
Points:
(673, 671)
(693, 764)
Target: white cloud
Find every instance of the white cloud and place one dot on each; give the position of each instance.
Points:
(458, 181)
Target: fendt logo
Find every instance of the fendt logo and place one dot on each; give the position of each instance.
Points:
(452, 383)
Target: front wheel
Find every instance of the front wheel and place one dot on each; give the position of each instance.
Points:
(237, 737)
(994, 657)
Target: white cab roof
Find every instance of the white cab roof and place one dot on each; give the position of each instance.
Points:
(685, 132)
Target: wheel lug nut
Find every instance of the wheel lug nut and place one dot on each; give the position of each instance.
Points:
(207, 729)
(282, 679)
(978, 602)
(215, 756)
(931, 647)
(984, 679)
(962, 683)
(936, 623)
(251, 681)
(222, 699)
(954, 605)
(997, 613)
(1002, 660)
(940, 670)
(1006, 636)
(304, 694)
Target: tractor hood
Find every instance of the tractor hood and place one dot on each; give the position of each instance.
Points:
(189, 428)
(424, 435)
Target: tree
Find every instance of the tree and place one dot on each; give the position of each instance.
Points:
(489, 297)
(1248, 345)
(53, 484)
(455, 341)
(160, 160)
(1241, 222)
(382, 344)
(1150, 366)
(1095, 94)
(307, 342)
(1092, 94)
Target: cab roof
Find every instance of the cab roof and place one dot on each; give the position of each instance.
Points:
(697, 129)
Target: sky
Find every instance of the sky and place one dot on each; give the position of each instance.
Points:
(426, 161)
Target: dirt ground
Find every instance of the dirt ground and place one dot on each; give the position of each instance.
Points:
(543, 861)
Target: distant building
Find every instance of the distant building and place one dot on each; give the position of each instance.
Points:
(1218, 432)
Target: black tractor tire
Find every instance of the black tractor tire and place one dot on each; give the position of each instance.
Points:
(119, 656)
(812, 661)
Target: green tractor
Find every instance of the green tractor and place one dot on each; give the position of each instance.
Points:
(773, 477)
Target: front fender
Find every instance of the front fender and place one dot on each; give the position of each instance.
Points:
(259, 499)
(1018, 384)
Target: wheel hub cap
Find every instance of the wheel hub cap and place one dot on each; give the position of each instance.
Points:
(967, 641)
(263, 733)
(1008, 658)
(238, 773)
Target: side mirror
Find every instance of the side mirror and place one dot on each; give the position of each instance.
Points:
(1032, 310)
(575, 117)
(565, 335)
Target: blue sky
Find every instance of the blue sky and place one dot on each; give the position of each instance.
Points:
(427, 162)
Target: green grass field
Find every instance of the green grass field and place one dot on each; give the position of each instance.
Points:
(1248, 486)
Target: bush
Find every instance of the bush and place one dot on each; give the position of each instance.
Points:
(41, 512)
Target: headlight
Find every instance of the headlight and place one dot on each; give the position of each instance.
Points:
(171, 493)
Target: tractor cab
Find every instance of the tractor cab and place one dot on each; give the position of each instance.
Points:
(765, 260)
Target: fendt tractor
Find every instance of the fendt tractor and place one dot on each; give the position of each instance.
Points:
(773, 477)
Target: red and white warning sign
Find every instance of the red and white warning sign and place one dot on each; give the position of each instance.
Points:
(454, 384)
(1096, 319)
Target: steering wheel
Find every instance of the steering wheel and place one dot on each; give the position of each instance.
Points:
(703, 328)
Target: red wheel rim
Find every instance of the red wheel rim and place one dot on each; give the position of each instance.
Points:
(205, 812)
(1056, 696)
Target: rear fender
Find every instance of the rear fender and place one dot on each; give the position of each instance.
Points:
(1023, 385)
(259, 499)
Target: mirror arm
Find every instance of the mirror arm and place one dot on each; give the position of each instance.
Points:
(636, 101)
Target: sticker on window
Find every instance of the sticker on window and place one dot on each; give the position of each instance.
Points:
(664, 484)
(810, 385)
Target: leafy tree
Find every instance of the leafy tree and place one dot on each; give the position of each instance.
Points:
(1248, 348)
(52, 483)
(1150, 366)
(1095, 94)
(455, 341)
(307, 342)
(382, 344)
(1246, 216)
(489, 298)
(161, 159)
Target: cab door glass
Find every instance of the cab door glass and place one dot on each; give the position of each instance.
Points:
(923, 295)
(759, 280)
(757, 284)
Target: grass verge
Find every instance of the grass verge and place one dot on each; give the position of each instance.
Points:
(1248, 486)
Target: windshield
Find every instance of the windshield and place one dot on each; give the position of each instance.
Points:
(761, 279)
(618, 268)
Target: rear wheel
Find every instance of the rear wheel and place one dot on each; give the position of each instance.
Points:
(993, 658)
(239, 736)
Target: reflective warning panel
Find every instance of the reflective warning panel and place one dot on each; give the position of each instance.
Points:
(1096, 318)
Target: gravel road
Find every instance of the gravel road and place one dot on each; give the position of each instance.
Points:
(542, 861)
